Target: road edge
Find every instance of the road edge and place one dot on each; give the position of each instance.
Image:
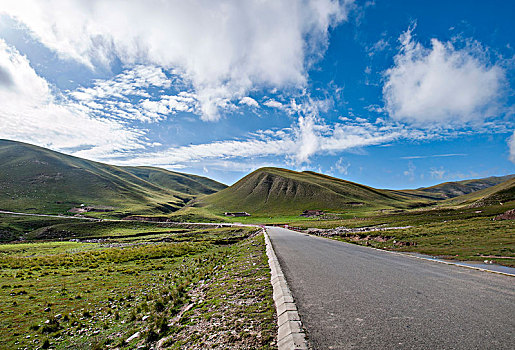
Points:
(407, 254)
(290, 334)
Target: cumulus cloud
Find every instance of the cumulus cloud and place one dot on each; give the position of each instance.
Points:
(273, 104)
(441, 83)
(30, 111)
(511, 146)
(249, 101)
(224, 48)
(129, 96)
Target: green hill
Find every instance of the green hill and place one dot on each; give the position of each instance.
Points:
(495, 195)
(459, 188)
(35, 179)
(185, 183)
(275, 191)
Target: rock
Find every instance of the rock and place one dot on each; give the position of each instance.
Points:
(134, 336)
(508, 215)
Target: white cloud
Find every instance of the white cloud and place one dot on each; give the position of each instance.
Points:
(511, 146)
(308, 137)
(437, 173)
(411, 171)
(341, 166)
(273, 104)
(436, 156)
(31, 112)
(224, 48)
(379, 46)
(126, 96)
(249, 101)
(441, 83)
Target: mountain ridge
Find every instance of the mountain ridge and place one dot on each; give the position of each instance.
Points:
(36, 177)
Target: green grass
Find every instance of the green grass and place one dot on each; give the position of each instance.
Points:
(12, 227)
(234, 310)
(459, 188)
(501, 193)
(280, 192)
(87, 295)
(37, 180)
(463, 233)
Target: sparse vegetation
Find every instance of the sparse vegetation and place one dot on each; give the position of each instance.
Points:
(97, 294)
(459, 233)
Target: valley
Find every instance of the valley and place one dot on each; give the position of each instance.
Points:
(98, 256)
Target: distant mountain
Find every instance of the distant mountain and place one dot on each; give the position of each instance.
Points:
(494, 195)
(274, 191)
(180, 182)
(459, 188)
(35, 179)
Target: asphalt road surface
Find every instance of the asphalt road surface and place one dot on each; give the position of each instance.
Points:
(352, 297)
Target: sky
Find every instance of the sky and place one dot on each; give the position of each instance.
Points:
(392, 94)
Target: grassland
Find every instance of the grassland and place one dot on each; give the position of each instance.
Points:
(456, 228)
(38, 180)
(117, 280)
(453, 233)
(281, 192)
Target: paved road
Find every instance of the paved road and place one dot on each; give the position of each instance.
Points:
(352, 297)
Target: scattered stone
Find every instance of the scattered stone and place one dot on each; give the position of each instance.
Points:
(508, 215)
(134, 336)
(342, 231)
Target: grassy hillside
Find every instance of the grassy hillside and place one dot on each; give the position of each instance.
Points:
(184, 183)
(275, 191)
(495, 195)
(35, 179)
(459, 188)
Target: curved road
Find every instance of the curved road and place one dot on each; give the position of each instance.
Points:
(353, 297)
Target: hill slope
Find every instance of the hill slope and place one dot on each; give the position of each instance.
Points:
(40, 180)
(180, 182)
(495, 195)
(274, 191)
(459, 188)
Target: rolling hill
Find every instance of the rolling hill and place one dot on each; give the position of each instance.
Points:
(495, 195)
(459, 188)
(35, 179)
(274, 191)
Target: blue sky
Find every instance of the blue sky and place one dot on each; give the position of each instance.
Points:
(392, 94)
